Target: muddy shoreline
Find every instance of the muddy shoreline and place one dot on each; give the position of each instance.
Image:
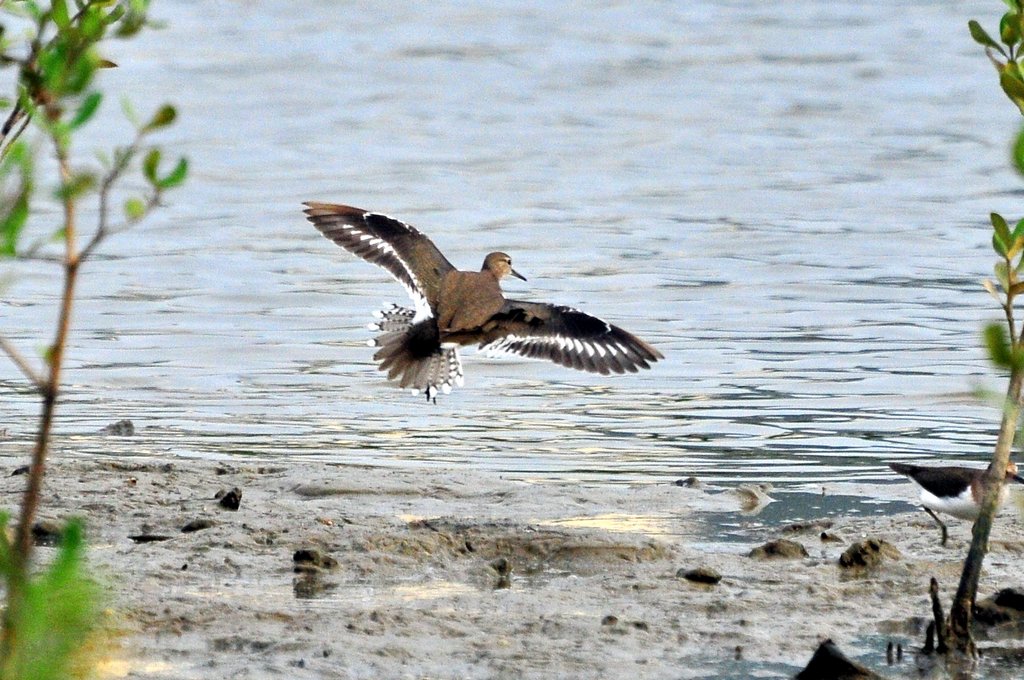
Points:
(455, 574)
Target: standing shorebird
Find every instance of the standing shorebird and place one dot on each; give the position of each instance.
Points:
(419, 347)
(955, 491)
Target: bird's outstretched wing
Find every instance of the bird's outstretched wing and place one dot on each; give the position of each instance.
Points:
(395, 246)
(565, 336)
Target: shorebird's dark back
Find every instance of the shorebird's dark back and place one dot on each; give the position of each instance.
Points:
(420, 348)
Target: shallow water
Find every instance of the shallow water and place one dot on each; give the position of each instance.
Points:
(788, 199)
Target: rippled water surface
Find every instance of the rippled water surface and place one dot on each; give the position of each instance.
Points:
(787, 199)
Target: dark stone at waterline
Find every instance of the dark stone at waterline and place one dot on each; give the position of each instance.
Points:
(503, 567)
(868, 554)
(122, 428)
(828, 663)
(47, 533)
(700, 575)
(783, 548)
(689, 483)
(149, 538)
(198, 525)
(308, 560)
(229, 499)
(1005, 606)
(22, 470)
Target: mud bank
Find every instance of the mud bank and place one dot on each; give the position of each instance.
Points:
(451, 574)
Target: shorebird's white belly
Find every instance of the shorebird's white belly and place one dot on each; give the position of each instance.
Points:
(962, 506)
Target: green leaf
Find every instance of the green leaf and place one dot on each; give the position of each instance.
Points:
(57, 611)
(1017, 157)
(134, 209)
(164, 116)
(176, 176)
(86, 110)
(77, 185)
(12, 224)
(999, 245)
(1009, 29)
(1002, 274)
(1015, 248)
(149, 165)
(59, 13)
(129, 112)
(1002, 239)
(981, 37)
(998, 345)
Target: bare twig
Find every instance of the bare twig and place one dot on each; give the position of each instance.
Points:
(10, 143)
(121, 163)
(22, 364)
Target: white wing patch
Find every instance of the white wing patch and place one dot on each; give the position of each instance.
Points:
(415, 291)
(519, 345)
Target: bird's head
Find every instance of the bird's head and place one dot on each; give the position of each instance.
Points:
(500, 265)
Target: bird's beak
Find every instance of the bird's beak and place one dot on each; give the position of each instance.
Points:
(516, 274)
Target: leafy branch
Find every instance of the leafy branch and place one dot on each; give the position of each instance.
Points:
(56, 96)
(1002, 340)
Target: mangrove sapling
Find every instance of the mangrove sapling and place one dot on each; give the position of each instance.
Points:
(55, 94)
(1003, 341)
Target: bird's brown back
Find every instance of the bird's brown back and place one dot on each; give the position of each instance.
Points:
(468, 300)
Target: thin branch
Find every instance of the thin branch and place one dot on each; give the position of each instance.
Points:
(22, 364)
(121, 163)
(24, 124)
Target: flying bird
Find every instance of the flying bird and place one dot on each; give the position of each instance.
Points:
(419, 347)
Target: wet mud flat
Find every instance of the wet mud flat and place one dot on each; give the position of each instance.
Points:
(327, 571)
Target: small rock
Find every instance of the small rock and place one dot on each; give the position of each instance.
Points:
(783, 548)
(690, 483)
(47, 533)
(827, 537)
(641, 625)
(868, 554)
(1006, 605)
(122, 428)
(150, 538)
(700, 575)
(198, 525)
(309, 560)
(828, 663)
(609, 620)
(504, 569)
(229, 499)
(800, 527)
(23, 470)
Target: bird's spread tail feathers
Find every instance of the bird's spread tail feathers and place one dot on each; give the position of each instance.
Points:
(412, 353)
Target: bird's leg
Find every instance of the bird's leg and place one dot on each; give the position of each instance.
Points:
(942, 525)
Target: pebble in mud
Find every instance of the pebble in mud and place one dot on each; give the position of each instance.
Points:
(198, 525)
(122, 428)
(782, 548)
(229, 499)
(504, 570)
(311, 560)
(47, 533)
(1006, 605)
(868, 554)
(700, 575)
